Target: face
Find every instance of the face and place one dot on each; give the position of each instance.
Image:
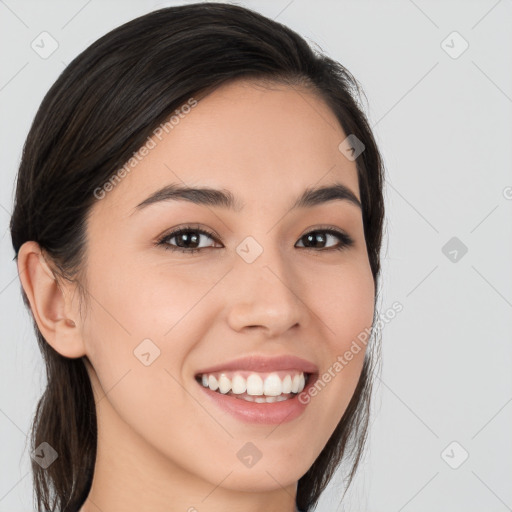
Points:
(261, 278)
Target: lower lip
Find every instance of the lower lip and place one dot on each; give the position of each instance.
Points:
(264, 413)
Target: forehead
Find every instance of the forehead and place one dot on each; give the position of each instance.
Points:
(263, 143)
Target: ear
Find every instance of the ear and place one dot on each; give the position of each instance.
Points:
(50, 302)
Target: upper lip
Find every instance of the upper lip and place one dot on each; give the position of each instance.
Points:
(259, 363)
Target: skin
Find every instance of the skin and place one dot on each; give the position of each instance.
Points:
(162, 446)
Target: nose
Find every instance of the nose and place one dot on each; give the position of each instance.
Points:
(265, 295)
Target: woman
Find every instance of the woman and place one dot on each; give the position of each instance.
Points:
(197, 226)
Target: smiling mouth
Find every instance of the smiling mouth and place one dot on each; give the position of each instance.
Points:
(268, 387)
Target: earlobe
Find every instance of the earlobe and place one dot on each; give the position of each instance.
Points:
(49, 302)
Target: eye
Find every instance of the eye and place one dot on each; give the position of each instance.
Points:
(320, 236)
(188, 239)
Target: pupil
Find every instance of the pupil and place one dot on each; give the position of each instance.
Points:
(188, 237)
(312, 236)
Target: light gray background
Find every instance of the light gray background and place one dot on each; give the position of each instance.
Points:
(444, 126)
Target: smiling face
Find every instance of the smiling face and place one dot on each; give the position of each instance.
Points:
(268, 281)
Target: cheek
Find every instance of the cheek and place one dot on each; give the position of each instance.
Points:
(141, 327)
(347, 311)
(138, 334)
(346, 299)
(148, 301)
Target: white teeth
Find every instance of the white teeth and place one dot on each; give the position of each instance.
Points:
(238, 385)
(224, 384)
(302, 383)
(295, 384)
(267, 399)
(254, 388)
(287, 384)
(254, 385)
(272, 385)
(212, 383)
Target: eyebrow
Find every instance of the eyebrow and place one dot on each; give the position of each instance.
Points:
(223, 198)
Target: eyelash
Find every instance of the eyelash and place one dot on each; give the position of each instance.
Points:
(345, 240)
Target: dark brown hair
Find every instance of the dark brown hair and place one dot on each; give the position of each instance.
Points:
(99, 112)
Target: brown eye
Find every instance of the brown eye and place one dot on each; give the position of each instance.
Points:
(187, 239)
(318, 238)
